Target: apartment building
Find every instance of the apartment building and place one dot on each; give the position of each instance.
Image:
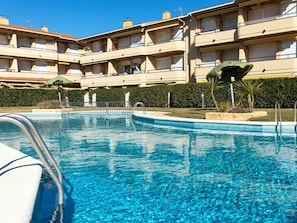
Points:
(168, 51)
(30, 57)
(260, 32)
(136, 55)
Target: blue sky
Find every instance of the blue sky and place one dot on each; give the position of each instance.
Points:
(83, 18)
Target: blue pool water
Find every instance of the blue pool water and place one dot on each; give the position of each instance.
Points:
(118, 170)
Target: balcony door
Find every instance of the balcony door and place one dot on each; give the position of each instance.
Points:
(40, 44)
(289, 9)
(3, 39)
(163, 64)
(4, 64)
(288, 49)
(41, 67)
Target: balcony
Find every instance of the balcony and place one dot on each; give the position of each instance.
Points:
(150, 78)
(110, 55)
(166, 47)
(11, 51)
(267, 26)
(28, 76)
(33, 76)
(135, 51)
(273, 68)
(165, 77)
(68, 57)
(206, 39)
(201, 72)
(110, 81)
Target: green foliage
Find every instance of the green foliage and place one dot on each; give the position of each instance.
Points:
(224, 106)
(247, 90)
(25, 97)
(49, 104)
(181, 95)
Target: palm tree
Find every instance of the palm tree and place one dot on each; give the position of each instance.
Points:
(247, 89)
(214, 84)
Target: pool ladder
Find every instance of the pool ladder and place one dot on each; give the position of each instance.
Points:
(278, 117)
(295, 116)
(136, 105)
(43, 153)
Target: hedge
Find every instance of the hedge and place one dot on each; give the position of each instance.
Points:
(188, 95)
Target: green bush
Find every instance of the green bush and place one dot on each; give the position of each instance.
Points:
(49, 104)
(188, 95)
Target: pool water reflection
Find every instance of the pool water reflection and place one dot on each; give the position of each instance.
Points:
(123, 171)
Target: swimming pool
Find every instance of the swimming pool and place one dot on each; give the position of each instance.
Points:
(118, 170)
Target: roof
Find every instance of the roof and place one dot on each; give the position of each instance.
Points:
(37, 31)
(133, 27)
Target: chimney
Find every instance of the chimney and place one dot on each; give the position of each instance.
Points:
(4, 20)
(166, 14)
(44, 28)
(127, 22)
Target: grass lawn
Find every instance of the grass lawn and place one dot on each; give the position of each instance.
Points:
(287, 114)
(198, 113)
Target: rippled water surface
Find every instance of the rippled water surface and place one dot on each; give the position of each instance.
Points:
(120, 171)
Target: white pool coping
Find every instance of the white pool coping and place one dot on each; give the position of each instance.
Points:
(162, 118)
(19, 182)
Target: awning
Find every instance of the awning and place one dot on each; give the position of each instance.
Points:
(58, 80)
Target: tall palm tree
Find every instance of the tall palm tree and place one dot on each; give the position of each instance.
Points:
(214, 84)
(247, 89)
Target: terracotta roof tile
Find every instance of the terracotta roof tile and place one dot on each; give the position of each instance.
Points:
(27, 29)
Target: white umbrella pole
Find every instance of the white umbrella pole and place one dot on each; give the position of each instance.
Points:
(232, 95)
(60, 100)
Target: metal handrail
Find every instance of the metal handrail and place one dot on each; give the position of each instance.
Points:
(295, 114)
(41, 150)
(278, 116)
(136, 104)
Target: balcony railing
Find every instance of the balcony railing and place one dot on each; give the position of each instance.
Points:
(159, 76)
(267, 19)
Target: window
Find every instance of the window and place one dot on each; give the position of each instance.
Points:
(230, 54)
(24, 42)
(162, 36)
(73, 49)
(24, 66)
(289, 9)
(229, 22)
(178, 62)
(262, 51)
(40, 44)
(3, 39)
(4, 64)
(178, 33)
(96, 46)
(124, 42)
(135, 40)
(208, 24)
(41, 67)
(163, 63)
(288, 49)
(74, 69)
(262, 13)
(208, 59)
(61, 47)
